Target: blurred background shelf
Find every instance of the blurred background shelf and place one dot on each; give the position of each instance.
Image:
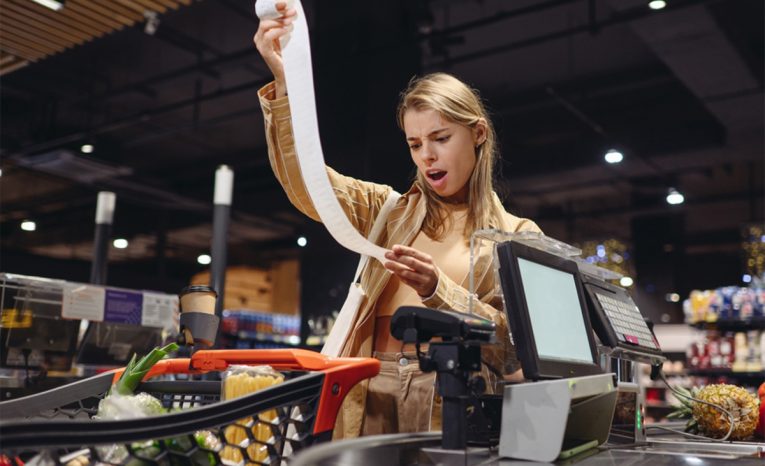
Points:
(733, 325)
(746, 378)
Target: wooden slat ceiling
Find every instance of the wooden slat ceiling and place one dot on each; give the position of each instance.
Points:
(30, 32)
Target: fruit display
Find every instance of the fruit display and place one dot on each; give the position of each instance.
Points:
(710, 421)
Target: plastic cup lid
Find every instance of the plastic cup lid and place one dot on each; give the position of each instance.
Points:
(198, 289)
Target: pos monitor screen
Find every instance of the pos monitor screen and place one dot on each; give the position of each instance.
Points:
(547, 312)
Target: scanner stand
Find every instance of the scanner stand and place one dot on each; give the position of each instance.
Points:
(453, 359)
(539, 417)
(453, 363)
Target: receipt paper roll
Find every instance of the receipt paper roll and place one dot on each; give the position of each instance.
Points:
(296, 55)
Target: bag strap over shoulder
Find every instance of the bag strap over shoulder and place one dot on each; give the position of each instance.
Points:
(377, 228)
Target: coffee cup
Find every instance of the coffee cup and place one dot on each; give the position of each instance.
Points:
(198, 298)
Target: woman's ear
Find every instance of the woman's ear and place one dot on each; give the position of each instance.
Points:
(480, 132)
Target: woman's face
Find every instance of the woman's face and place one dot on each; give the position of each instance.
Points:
(444, 151)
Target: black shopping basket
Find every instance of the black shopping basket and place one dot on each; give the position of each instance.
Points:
(55, 427)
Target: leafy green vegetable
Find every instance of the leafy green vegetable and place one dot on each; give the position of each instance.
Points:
(136, 371)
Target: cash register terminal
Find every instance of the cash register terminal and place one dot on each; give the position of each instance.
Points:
(568, 404)
(546, 307)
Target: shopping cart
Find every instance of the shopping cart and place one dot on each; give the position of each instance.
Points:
(55, 427)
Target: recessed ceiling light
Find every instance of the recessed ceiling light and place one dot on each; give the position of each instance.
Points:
(28, 225)
(302, 241)
(674, 197)
(87, 148)
(626, 282)
(54, 5)
(614, 156)
(657, 4)
(120, 243)
(204, 259)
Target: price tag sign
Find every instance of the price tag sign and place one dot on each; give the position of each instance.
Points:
(83, 302)
(160, 310)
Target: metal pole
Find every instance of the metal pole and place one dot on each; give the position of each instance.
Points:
(224, 184)
(104, 219)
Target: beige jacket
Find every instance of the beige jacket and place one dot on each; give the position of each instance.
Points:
(362, 201)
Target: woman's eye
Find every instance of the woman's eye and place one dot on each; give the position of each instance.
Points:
(414, 146)
(443, 138)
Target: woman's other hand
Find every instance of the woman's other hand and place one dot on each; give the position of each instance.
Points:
(415, 268)
(267, 42)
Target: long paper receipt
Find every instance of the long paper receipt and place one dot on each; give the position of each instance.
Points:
(296, 55)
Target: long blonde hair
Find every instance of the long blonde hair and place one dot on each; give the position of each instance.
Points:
(461, 104)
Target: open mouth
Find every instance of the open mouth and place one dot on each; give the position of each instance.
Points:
(436, 175)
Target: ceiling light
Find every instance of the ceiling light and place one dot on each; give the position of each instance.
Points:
(302, 241)
(614, 156)
(746, 278)
(657, 4)
(87, 148)
(1, 174)
(28, 225)
(152, 22)
(204, 259)
(54, 5)
(674, 197)
(626, 282)
(672, 297)
(120, 243)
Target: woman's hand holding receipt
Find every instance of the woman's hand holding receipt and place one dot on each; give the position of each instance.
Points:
(415, 268)
(267, 42)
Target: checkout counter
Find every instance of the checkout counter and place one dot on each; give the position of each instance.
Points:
(578, 347)
(420, 449)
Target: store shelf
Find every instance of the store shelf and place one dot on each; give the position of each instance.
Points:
(738, 325)
(743, 377)
(266, 337)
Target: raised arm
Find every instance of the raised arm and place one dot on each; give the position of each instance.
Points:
(360, 200)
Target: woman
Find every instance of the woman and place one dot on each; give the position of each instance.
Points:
(453, 145)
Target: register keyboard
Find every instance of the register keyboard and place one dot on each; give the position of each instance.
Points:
(616, 319)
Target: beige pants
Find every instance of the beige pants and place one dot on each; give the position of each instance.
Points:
(401, 398)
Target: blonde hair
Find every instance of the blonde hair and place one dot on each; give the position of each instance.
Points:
(461, 104)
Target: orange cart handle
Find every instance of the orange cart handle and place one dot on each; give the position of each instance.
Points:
(219, 360)
(341, 374)
(284, 359)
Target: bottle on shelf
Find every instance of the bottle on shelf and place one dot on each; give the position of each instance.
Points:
(753, 361)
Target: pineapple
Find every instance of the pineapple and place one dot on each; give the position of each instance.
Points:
(712, 422)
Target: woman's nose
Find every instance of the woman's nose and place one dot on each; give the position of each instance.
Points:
(427, 152)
